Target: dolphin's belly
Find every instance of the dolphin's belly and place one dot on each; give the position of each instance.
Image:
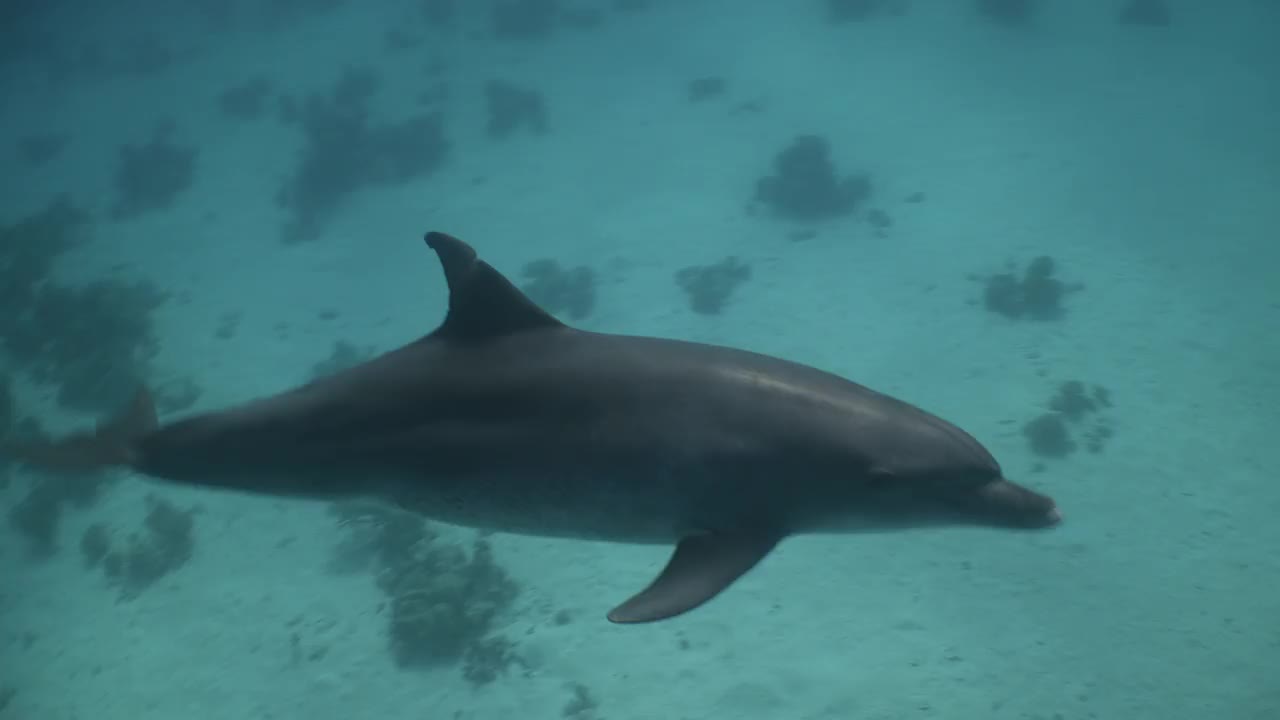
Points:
(633, 505)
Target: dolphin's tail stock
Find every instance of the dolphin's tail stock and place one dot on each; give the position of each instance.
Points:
(108, 445)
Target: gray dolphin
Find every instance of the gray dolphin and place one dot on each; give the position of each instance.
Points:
(505, 418)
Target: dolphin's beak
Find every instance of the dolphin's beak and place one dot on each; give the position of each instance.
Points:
(1009, 503)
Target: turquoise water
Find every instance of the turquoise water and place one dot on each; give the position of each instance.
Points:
(224, 199)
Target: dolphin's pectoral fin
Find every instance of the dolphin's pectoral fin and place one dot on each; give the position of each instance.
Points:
(701, 567)
(483, 304)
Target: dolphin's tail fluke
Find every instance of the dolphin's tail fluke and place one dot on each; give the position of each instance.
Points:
(110, 444)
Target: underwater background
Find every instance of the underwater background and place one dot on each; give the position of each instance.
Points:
(1055, 223)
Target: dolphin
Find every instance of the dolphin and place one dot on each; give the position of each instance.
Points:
(505, 418)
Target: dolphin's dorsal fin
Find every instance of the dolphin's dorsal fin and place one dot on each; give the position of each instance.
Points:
(483, 303)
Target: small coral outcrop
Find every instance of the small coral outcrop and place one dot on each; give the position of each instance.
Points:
(805, 185)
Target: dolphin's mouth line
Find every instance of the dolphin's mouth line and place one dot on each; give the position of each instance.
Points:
(1017, 504)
